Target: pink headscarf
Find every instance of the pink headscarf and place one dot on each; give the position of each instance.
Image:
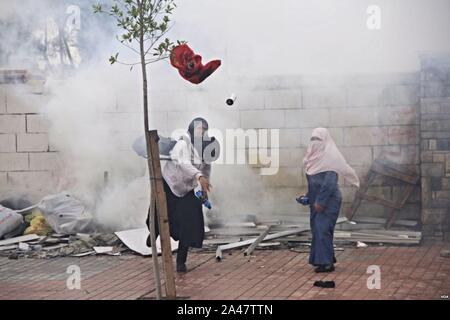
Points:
(324, 156)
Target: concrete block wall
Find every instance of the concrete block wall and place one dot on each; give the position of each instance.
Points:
(435, 144)
(368, 116)
(27, 165)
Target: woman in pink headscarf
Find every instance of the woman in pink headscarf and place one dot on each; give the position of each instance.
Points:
(324, 164)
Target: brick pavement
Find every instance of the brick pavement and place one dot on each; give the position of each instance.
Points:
(406, 273)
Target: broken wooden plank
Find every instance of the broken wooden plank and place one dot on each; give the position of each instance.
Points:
(268, 244)
(256, 242)
(10, 247)
(277, 235)
(28, 237)
(240, 225)
(58, 246)
(244, 243)
(235, 232)
(406, 223)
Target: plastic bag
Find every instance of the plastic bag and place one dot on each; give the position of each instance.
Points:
(38, 225)
(165, 146)
(9, 220)
(66, 215)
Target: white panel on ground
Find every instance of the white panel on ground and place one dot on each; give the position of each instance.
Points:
(136, 240)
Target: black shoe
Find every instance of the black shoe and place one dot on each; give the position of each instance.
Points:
(325, 284)
(321, 269)
(181, 268)
(334, 259)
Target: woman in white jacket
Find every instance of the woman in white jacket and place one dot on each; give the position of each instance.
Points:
(190, 166)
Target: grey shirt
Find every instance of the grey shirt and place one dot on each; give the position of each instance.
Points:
(182, 173)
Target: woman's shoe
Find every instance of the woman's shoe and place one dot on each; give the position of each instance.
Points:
(320, 269)
(181, 268)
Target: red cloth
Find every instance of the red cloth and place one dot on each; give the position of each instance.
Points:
(190, 65)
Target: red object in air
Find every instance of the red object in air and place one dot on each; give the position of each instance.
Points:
(190, 65)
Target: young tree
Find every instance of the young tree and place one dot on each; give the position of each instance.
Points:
(145, 24)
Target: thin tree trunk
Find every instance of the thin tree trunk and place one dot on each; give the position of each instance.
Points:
(146, 128)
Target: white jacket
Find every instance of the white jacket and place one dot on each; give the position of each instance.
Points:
(182, 173)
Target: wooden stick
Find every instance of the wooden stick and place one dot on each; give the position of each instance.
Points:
(256, 242)
(152, 219)
(161, 210)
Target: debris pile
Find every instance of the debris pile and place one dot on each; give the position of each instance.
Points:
(294, 231)
(59, 226)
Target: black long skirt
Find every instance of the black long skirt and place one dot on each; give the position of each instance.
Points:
(185, 219)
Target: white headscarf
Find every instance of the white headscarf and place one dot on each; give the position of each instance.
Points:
(323, 155)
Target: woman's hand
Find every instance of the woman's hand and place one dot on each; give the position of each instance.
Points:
(204, 184)
(318, 208)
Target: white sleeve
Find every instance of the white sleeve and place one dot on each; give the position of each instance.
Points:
(181, 155)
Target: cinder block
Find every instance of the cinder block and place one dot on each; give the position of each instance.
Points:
(364, 96)
(404, 135)
(3, 182)
(36, 181)
(263, 119)
(307, 118)
(324, 97)
(354, 117)
(445, 183)
(438, 157)
(180, 120)
(131, 101)
(12, 123)
(432, 169)
(32, 142)
(426, 156)
(337, 134)
(229, 119)
(290, 138)
(7, 143)
(430, 107)
(198, 100)
(37, 123)
(447, 165)
(44, 161)
(357, 155)
(436, 89)
(406, 154)
(401, 95)
(292, 157)
(286, 177)
(434, 216)
(2, 99)
(365, 136)
(435, 125)
(125, 140)
(441, 195)
(283, 99)
(399, 115)
(13, 161)
(20, 101)
(157, 120)
(125, 121)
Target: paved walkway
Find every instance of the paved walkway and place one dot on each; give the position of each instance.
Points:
(406, 273)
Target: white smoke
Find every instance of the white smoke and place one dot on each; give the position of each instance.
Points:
(253, 38)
